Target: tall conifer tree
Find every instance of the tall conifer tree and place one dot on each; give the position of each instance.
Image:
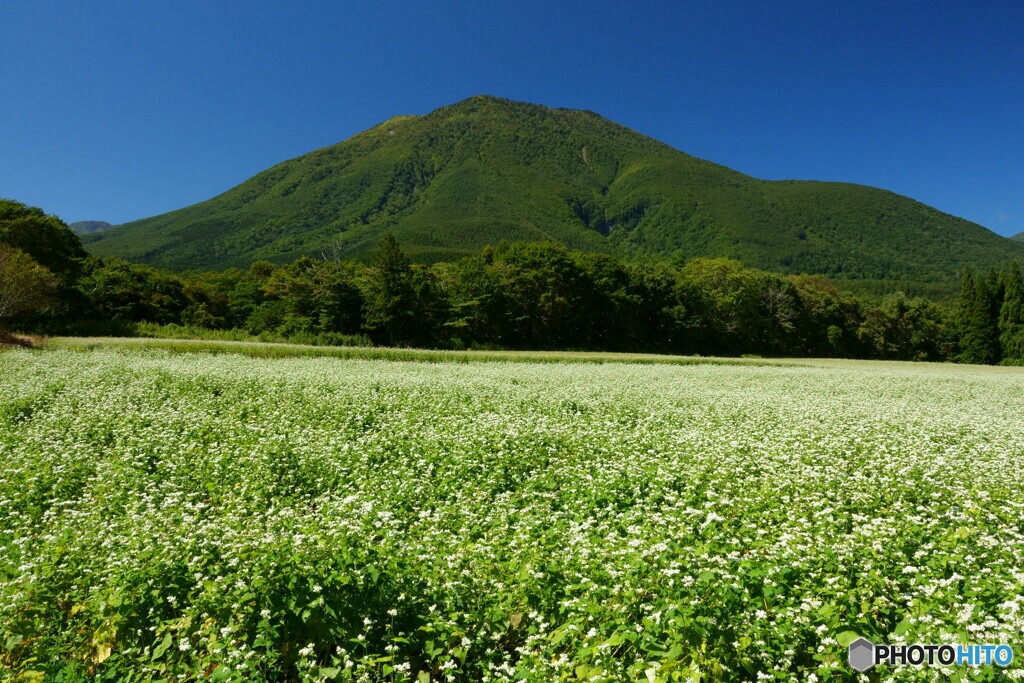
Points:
(391, 299)
(1011, 316)
(977, 326)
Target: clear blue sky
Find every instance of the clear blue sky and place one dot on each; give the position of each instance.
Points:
(117, 110)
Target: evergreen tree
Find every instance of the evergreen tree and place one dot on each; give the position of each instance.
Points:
(1011, 316)
(978, 328)
(390, 304)
(964, 301)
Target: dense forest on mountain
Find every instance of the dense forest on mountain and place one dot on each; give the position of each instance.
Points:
(515, 295)
(487, 170)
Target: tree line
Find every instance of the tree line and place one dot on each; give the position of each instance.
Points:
(989, 317)
(515, 296)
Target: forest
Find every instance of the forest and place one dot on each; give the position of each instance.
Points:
(520, 295)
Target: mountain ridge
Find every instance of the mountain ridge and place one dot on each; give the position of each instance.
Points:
(487, 169)
(87, 227)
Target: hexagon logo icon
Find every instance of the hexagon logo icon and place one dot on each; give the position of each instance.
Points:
(861, 654)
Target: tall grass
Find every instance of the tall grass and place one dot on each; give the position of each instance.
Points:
(258, 349)
(173, 331)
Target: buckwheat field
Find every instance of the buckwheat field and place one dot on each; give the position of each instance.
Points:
(188, 517)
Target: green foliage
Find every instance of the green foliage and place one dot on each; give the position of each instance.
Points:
(977, 320)
(321, 294)
(129, 291)
(540, 295)
(989, 319)
(191, 517)
(390, 306)
(486, 169)
(47, 239)
(24, 284)
(1011, 317)
(49, 242)
(902, 330)
(546, 290)
(536, 295)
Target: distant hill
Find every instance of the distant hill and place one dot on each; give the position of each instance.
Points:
(88, 227)
(486, 169)
(1019, 237)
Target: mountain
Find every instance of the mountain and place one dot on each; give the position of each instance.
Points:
(1019, 237)
(87, 227)
(487, 169)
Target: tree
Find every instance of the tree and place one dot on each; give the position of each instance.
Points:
(120, 290)
(1011, 316)
(977, 327)
(248, 301)
(609, 301)
(546, 295)
(205, 306)
(390, 304)
(339, 300)
(24, 284)
(827, 322)
(316, 296)
(45, 238)
(732, 304)
(903, 330)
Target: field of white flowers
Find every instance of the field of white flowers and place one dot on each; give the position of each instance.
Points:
(194, 517)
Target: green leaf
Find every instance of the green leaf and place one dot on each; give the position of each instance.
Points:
(162, 647)
(844, 638)
(558, 635)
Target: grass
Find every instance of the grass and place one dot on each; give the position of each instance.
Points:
(280, 350)
(9, 340)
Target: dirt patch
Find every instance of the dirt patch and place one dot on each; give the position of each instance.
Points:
(10, 340)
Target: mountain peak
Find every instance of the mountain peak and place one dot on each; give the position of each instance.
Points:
(488, 169)
(482, 103)
(484, 99)
(87, 227)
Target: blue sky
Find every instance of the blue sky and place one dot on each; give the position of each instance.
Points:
(117, 110)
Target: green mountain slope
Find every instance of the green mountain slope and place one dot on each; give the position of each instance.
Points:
(486, 169)
(1019, 237)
